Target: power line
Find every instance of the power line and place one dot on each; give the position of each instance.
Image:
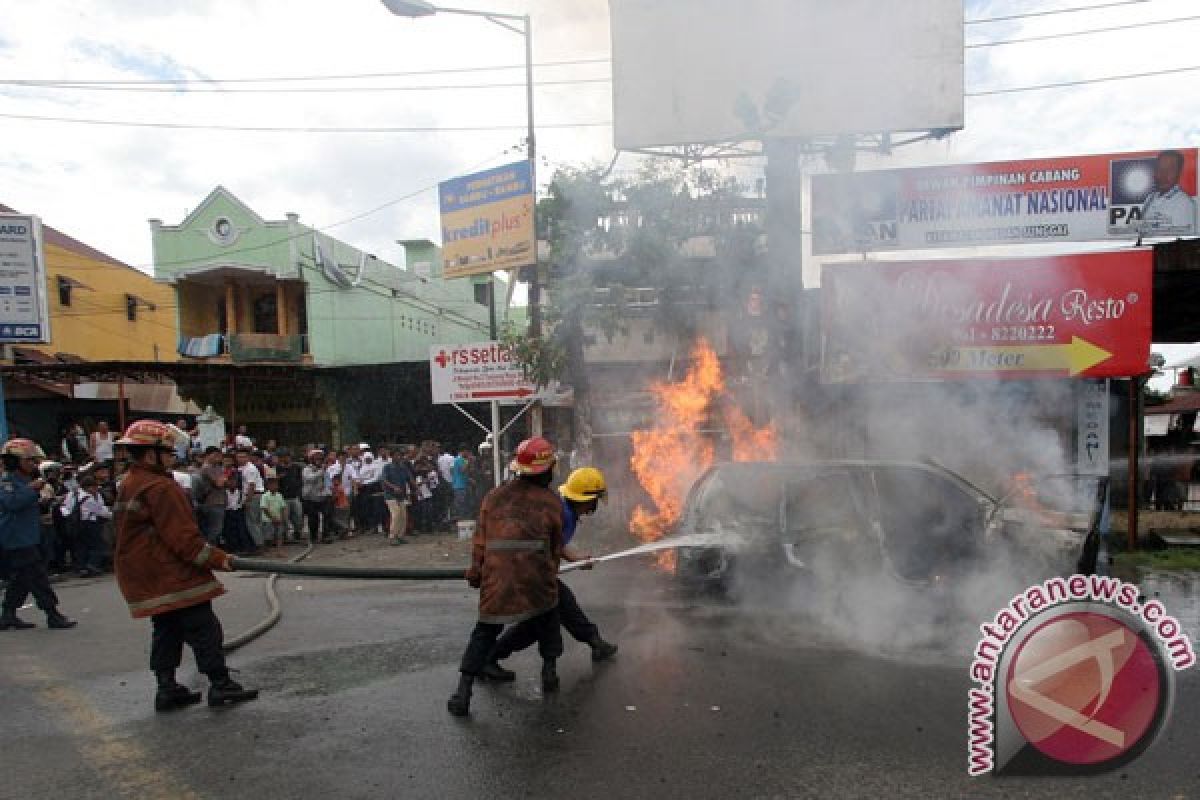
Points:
(1081, 82)
(294, 78)
(1051, 12)
(1067, 34)
(96, 87)
(299, 129)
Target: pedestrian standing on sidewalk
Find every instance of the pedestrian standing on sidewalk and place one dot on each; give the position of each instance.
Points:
(208, 489)
(314, 496)
(274, 513)
(397, 482)
(291, 486)
(252, 489)
(236, 537)
(100, 443)
(93, 513)
(164, 571)
(341, 508)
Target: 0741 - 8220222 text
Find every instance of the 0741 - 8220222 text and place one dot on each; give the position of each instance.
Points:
(1006, 334)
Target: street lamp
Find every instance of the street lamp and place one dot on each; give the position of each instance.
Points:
(420, 8)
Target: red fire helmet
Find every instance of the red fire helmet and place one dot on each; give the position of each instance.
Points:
(151, 433)
(534, 456)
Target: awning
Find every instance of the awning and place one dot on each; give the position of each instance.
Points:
(158, 398)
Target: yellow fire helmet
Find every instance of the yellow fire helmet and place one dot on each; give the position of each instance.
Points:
(584, 484)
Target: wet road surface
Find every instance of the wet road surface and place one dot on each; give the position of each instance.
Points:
(704, 700)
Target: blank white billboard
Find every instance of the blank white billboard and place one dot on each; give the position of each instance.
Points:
(712, 71)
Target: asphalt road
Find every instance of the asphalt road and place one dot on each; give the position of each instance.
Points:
(703, 700)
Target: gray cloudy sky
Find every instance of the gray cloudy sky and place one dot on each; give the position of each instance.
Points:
(101, 183)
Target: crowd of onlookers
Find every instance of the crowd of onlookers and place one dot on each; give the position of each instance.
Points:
(249, 496)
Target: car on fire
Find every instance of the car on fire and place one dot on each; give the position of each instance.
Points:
(917, 524)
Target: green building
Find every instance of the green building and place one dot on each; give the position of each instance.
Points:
(311, 339)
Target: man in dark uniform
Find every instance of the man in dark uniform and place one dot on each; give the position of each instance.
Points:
(581, 494)
(514, 564)
(21, 536)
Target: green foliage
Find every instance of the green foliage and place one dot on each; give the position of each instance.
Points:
(608, 234)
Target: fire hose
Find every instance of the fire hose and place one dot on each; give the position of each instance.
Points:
(294, 567)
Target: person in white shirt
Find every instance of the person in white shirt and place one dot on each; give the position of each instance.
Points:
(370, 493)
(444, 495)
(100, 443)
(252, 489)
(242, 439)
(1168, 209)
(352, 485)
(92, 513)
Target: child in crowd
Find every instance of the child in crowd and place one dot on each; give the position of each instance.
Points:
(341, 509)
(274, 513)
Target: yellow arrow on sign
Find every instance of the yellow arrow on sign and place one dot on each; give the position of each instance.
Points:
(1078, 356)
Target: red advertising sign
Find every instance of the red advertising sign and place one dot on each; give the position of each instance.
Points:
(1118, 196)
(1086, 315)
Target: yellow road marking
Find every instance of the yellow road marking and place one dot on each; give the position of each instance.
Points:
(122, 762)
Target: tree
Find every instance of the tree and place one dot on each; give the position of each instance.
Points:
(610, 233)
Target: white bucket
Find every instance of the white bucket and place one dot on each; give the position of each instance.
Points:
(466, 528)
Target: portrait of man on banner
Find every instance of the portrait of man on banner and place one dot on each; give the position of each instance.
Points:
(1168, 209)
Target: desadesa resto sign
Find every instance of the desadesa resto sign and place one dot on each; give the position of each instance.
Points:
(1085, 315)
(1073, 199)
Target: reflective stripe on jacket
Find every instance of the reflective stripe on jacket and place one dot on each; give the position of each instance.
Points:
(516, 550)
(162, 561)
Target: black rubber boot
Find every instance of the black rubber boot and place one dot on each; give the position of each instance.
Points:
(492, 671)
(171, 695)
(549, 676)
(226, 691)
(459, 703)
(602, 650)
(10, 620)
(54, 619)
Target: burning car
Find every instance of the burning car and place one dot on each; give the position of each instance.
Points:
(917, 524)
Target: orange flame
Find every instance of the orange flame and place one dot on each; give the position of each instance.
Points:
(668, 458)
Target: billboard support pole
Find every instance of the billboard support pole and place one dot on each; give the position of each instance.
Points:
(784, 216)
(495, 442)
(3, 414)
(1131, 526)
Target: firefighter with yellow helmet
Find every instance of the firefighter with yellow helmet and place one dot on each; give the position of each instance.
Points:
(581, 494)
(21, 535)
(164, 569)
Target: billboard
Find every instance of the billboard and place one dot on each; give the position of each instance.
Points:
(712, 71)
(1086, 315)
(1073, 199)
(23, 313)
(488, 221)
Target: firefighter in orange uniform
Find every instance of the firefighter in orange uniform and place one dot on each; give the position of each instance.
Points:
(514, 564)
(164, 569)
